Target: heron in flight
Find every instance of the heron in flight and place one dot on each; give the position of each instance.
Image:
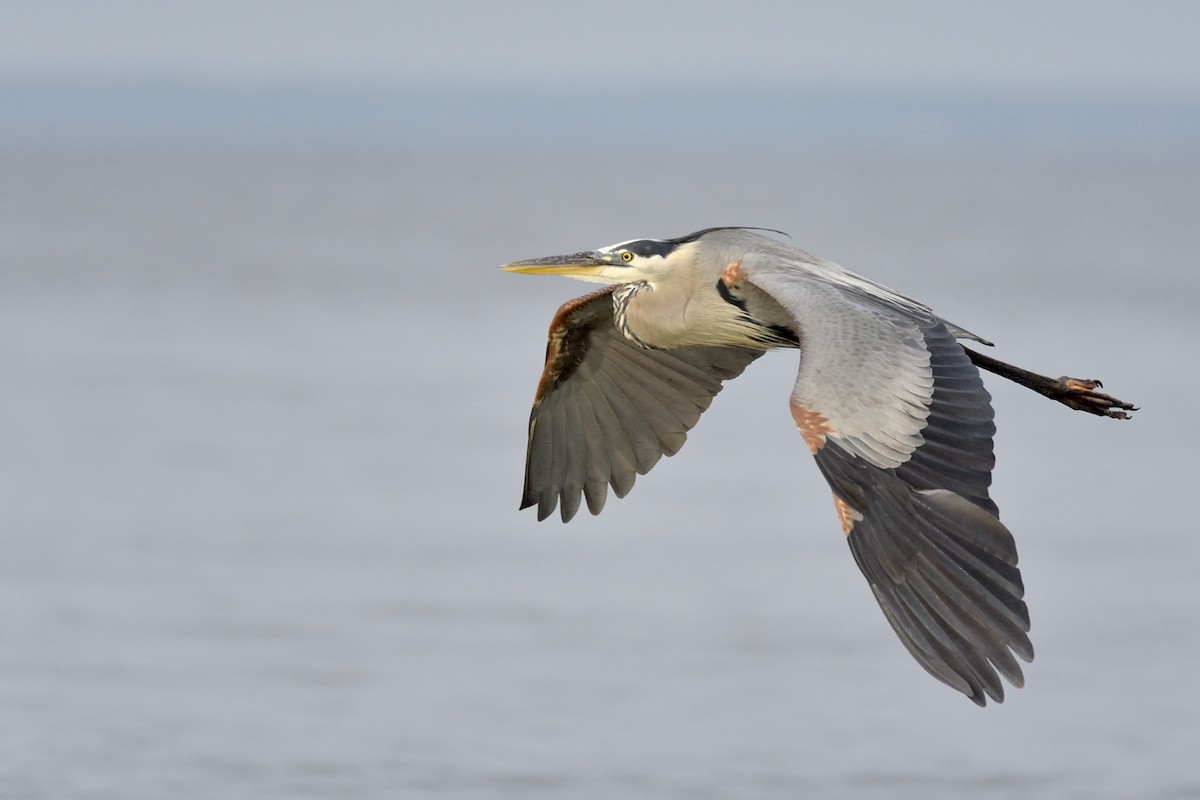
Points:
(889, 402)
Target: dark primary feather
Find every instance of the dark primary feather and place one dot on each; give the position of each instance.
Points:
(957, 453)
(606, 409)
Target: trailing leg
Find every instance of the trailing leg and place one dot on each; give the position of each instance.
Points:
(1076, 393)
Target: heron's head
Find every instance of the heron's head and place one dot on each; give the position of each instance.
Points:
(627, 262)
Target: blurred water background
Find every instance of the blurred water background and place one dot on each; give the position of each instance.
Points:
(262, 426)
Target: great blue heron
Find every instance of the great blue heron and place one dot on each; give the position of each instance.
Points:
(890, 404)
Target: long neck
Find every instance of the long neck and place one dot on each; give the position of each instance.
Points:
(650, 316)
(672, 314)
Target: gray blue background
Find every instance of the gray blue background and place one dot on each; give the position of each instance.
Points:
(264, 396)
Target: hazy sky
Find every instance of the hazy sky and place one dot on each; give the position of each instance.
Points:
(1020, 46)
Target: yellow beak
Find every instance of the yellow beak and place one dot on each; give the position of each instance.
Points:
(576, 265)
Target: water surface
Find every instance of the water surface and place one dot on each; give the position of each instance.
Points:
(263, 429)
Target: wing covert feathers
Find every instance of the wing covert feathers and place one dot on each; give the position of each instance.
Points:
(929, 541)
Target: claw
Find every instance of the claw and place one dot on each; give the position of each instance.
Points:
(1081, 395)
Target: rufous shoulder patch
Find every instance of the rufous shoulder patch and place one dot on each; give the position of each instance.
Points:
(733, 274)
(566, 342)
(812, 426)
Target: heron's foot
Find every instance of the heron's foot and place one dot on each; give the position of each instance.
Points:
(733, 274)
(1081, 395)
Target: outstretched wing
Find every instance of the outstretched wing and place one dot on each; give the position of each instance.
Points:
(606, 409)
(901, 427)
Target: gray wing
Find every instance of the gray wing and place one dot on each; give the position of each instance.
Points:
(606, 409)
(901, 427)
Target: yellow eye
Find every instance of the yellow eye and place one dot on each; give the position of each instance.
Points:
(627, 256)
